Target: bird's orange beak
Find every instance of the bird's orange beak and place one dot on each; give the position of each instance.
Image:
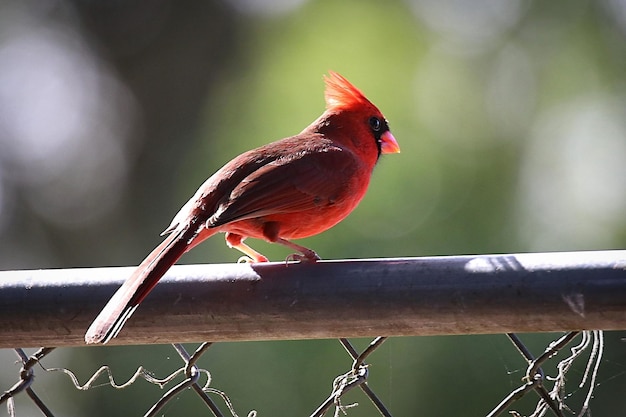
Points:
(388, 143)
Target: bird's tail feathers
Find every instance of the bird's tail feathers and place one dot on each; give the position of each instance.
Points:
(124, 302)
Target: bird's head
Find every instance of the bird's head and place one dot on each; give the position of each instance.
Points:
(349, 103)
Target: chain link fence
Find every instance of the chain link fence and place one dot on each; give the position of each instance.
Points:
(560, 376)
(551, 389)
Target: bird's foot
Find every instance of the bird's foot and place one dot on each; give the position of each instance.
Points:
(306, 256)
(249, 260)
(251, 256)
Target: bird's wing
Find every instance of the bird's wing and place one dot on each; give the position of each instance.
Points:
(303, 180)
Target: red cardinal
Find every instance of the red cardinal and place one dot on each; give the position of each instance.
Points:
(290, 189)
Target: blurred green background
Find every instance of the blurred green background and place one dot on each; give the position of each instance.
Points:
(511, 117)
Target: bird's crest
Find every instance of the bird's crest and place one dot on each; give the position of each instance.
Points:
(340, 94)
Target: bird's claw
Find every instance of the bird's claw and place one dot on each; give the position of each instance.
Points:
(245, 260)
(309, 256)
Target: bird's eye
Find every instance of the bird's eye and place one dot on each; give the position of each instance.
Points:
(376, 124)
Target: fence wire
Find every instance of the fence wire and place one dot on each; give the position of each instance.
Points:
(551, 386)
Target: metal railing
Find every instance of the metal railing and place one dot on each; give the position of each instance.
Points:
(476, 294)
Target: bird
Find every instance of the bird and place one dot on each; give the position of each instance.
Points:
(293, 188)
